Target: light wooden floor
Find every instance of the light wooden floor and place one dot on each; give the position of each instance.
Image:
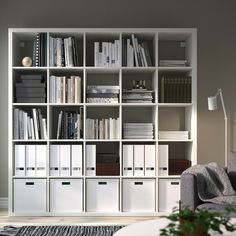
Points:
(68, 220)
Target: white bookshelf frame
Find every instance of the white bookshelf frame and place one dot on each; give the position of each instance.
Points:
(170, 33)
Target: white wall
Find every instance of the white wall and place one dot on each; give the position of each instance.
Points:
(216, 24)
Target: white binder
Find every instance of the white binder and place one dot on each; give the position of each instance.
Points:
(54, 160)
(163, 156)
(64, 160)
(19, 160)
(76, 160)
(150, 157)
(128, 159)
(30, 160)
(90, 160)
(41, 154)
(138, 160)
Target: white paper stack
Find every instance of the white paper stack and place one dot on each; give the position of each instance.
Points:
(176, 135)
(138, 131)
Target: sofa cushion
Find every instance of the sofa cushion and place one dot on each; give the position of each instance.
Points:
(232, 168)
(216, 208)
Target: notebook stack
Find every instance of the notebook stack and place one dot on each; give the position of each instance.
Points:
(173, 63)
(176, 135)
(32, 88)
(137, 96)
(138, 131)
(103, 93)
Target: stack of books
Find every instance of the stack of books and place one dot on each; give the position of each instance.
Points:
(70, 125)
(176, 135)
(29, 127)
(65, 89)
(39, 50)
(137, 96)
(107, 54)
(173, 63)
(138, 131)
(102, 128)
(135, 53)
(32, 88)
(175, 89)
(103, 93)
(63, 52)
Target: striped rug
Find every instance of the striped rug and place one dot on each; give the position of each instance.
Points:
(60, 231)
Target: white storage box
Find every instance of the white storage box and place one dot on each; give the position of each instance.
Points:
(139, 195)
(102, 195)
(169, 194)
(30, 195)
(66, 195)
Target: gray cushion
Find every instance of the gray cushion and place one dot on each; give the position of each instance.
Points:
(216, 208)
(232, 168)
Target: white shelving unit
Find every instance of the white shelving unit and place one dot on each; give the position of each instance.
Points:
(164, 116)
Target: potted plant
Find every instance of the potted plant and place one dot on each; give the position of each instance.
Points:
(186, 222)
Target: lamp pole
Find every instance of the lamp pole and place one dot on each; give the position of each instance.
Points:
(226, 125)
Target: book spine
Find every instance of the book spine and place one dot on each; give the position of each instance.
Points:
(37, 58)
(96, 54)
(135, 50)
(35, 123)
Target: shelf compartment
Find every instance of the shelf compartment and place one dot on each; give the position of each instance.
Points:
(169, 194)
(102, 88)
(66, 195)
(175, 88)
(174, 158)
(30, 123)
(66, 87)
(102, 159)
(101, 37)
(147, 41)
(102, 195)
(102, 122)
(146, 81)
(139, 116)
(138, 195)
(24, 44)
(29, 86)
(175, 119)
(74, 50)
(175, 46)
(66, 122)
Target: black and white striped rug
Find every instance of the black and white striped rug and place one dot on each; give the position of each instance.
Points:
(60, 231)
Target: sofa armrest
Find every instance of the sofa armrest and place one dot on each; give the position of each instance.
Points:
(188, 191)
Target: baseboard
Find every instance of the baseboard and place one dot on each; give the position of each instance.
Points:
(3, 202)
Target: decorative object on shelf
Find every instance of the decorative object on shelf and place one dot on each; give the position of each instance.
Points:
(27, 62)
(212, 105)
(197, 223)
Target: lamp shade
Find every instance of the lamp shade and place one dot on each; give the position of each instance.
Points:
(212, 103)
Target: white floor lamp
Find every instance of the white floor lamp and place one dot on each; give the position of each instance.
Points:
(212, 105)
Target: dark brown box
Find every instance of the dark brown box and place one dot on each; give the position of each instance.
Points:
(177, 166)
(107, 169)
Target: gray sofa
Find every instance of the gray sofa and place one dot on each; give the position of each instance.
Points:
(189, 193)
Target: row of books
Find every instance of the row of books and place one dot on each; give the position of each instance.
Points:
(138, 131)
(28, 126)
(63, 52)
(176, 89)
(102, 128)
(65, 89)
(135, 53)
(39, 50)
(107, 54)
(30, 88)
(174, 63)
(176, 135)
(70, 124)
(103, 93)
